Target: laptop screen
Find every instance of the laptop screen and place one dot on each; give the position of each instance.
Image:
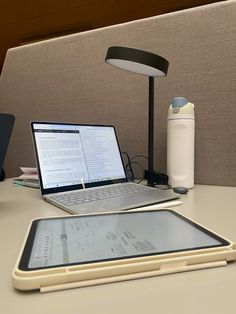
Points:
(70, 156)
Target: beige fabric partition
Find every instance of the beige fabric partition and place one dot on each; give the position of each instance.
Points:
(66, 79)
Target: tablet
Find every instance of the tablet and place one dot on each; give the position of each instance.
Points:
(76, 240)
(100, 245)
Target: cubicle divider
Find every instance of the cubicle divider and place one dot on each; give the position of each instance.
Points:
(67, 79)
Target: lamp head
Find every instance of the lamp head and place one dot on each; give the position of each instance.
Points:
(137, 61)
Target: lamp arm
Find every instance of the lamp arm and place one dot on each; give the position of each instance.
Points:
(153, 177)
(151, 124)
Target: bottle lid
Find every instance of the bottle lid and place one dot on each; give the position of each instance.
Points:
(180, 108)
(178, 102)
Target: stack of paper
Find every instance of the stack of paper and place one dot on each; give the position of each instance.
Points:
(28, 178)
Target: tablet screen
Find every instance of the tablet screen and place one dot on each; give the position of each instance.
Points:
(74, 240)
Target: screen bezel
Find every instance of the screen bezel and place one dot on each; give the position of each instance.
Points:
(25, 257)
(45, 191)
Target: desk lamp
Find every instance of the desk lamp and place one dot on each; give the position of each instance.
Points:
(151, 65)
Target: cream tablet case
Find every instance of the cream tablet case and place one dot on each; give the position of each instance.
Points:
(66, 277)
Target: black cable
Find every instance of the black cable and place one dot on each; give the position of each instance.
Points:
(135, 157)
(139, 156)
(128, 166)
(138, 163)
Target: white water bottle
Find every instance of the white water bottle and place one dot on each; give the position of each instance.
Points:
(180, 143)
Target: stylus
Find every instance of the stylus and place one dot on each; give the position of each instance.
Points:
(161, 205)
(168, 204)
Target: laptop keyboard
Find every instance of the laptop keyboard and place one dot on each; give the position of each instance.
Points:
(89, 195)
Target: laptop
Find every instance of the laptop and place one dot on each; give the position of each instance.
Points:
(6, 127)
(81, 170)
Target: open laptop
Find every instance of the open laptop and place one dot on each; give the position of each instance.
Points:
(6, 127)
(81, 169)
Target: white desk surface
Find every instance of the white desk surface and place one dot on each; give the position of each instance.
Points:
(203, 291)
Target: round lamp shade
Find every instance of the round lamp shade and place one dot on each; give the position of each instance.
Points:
(137, 61)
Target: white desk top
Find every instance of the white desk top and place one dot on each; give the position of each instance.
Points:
(205, 291)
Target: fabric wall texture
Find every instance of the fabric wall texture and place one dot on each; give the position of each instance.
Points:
(66, 79)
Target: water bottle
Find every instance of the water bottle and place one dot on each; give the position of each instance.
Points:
(180, 143)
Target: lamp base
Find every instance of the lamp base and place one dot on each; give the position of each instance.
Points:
(155, 178)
